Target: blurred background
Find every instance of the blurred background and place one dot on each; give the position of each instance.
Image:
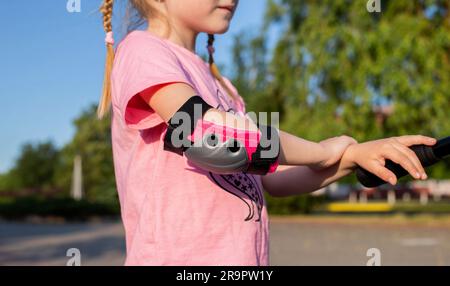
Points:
(329, 67)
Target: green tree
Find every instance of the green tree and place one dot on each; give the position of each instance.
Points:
(334, 63)
(9, 181)
(92, 141)
(35, 166)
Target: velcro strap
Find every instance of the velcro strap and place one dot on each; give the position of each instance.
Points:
(189, 109)
(260, 164)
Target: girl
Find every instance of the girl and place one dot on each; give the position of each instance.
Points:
(175, 212)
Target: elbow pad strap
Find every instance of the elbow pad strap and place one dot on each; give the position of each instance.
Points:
(186, 112)
(261, 163)
(221, 149)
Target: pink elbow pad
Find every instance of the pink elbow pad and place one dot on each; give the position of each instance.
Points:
(224, 136)
(224, 149)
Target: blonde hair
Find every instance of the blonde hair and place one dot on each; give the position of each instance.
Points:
(105, 101)
(143, 10)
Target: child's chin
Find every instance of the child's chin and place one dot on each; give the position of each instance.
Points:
(220, 30)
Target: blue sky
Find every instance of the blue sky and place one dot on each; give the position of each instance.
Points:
(52, 66)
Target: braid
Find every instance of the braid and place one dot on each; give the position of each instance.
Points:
(105, 102)
(211, 39)
(214, 69)
(106, 10)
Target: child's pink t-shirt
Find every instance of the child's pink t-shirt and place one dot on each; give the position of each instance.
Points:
(175, 213)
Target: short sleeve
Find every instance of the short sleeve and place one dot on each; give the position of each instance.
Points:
(143, 64)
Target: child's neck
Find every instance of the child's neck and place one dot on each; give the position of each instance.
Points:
(179, 35)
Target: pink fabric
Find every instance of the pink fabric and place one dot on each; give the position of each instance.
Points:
(173, 212)
(274, 167)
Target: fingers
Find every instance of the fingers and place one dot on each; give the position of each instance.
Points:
(393, 154)
(350, 140)
(421, 174)
(383, 173)
(410, 140)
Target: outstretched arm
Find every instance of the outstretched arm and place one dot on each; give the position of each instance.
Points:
(372, 155)
(297, 180)
(318, 163)
(293, 151)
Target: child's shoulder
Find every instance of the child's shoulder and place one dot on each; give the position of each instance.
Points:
(141, 41)
(141, 36)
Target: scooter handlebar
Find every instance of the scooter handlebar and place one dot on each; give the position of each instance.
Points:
(428, 156)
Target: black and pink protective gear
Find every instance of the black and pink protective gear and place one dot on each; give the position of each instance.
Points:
(219, 148)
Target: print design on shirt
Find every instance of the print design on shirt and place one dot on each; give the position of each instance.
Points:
(240, 185)
(243, 186)
(221, 98)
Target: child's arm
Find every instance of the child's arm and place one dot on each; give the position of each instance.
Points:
(288, 181)
(297, 180)
(168, 99)
(319, 157)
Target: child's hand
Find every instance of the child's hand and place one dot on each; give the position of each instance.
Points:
(372, 156)
(333, 149)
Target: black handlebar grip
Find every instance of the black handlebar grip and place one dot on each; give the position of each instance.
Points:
(428, 156)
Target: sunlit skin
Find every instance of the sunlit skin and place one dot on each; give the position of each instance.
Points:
(305, 166)
(188, 18)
